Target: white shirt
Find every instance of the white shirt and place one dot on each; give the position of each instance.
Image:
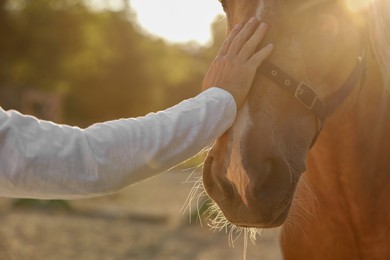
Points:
(40, 159)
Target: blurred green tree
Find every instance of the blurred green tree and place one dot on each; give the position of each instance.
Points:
(100, 60)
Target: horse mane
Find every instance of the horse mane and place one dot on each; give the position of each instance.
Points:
(379, 26)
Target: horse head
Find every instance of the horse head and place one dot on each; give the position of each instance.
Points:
(252, 171)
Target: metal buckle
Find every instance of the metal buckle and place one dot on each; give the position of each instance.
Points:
(306, 95)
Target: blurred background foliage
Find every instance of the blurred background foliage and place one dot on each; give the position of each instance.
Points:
(101, 62)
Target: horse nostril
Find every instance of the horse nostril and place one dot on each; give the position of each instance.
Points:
(271, 182)
(214, 180)
(269, 165)
(207, 174)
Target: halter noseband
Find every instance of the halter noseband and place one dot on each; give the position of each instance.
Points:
(308, 97)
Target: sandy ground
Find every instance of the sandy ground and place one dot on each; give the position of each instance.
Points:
(141, 222)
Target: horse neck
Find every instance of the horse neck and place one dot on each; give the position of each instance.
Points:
(359, 130)
(348, 168)
(351, 156)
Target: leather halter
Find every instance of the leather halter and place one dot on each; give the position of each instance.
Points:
(306, 94)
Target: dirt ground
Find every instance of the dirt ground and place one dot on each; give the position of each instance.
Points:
(141, 222)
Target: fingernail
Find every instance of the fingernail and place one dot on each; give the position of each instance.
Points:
(237, 26)
(269, 46)
(263, 26)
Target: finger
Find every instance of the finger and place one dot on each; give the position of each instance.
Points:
(250, 46)
(245, 33)
(226, 44)
(261, 55)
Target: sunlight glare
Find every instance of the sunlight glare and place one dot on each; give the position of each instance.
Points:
(358, 5)
(178, 20)
(104, 4)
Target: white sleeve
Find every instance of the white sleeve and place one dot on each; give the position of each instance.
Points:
(40, 159)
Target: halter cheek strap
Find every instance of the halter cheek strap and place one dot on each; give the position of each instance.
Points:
(306, 94)
(301, 91)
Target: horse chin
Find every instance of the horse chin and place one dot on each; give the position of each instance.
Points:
(275, 223)
(255, 219)
(280, 219)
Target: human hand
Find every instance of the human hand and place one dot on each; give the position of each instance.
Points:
(236, 64)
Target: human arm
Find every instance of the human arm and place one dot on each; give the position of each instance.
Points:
(40, 159)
